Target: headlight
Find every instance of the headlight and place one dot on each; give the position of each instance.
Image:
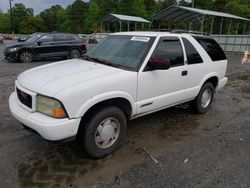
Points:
(50, 107)
(12, 49)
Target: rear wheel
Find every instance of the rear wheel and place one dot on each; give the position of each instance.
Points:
(74, 54)
(26, 57)
(104, 132)
(203, 101)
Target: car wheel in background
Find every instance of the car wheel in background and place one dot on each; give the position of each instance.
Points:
(26, 57)
(74, 54)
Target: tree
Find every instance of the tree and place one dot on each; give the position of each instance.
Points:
(107, 6)
(92, 18)
(20, 13)
(140, 8)
(4, 23)
(76, 13)
(31, 25)
(50, 17)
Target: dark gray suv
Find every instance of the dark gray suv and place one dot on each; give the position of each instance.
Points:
(47, 45)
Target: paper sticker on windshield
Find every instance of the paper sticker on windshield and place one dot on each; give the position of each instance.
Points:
(140, 39)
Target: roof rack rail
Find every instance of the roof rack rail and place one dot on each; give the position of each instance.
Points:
(162, 30)
(189, 31)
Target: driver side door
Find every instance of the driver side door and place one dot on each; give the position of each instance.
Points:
(44, 46)
(158, 89)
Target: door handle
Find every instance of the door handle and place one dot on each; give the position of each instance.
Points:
(184, 73)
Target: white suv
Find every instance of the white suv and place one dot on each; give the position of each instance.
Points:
(125, 76)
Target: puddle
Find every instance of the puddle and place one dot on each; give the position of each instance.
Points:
(68, 165)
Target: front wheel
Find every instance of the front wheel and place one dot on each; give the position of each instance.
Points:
(26, 57)
(104, 132)
(203, 101)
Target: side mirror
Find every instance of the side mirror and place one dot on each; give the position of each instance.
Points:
(159, 64)
(39, 43)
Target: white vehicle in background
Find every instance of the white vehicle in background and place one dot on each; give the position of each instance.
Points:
(125, 76)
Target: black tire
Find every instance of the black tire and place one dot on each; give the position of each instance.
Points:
(90, 131)
(74, 53)
(26, 57)
(196, 105)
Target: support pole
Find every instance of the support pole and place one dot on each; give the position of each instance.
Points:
(120, 26)
(243, 33)
(190, 26)
(236, 33)
(228, 32)
(202, 24)
(247, 43)
(128, 26)
(11, 18)
(135, 26)
(221, 26)
(212, 25)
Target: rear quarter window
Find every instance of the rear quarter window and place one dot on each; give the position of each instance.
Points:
(193, 56)
(212, 48)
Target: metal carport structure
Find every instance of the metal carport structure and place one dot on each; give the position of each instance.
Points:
(194, 15)
(114, 18)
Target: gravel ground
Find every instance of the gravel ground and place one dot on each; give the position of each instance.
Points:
(210, 150)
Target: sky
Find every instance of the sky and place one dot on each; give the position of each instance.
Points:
(37, 5)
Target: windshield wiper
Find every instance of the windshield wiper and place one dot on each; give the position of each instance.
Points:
(101, 61)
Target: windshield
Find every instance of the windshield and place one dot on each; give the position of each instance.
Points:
(121, 51)
(33, 38)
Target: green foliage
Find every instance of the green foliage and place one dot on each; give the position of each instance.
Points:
(20, 13)
(76, 13)
(92, 18)
(51, 18)
(4, 23)
(31, 25)
(84, 17)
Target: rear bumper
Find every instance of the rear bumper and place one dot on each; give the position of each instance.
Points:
(222, 83)
(49, 128)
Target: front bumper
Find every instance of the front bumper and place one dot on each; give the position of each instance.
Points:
(11, 56)
(49, 128)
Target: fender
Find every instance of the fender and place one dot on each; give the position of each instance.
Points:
(210, 75)
(105, 96)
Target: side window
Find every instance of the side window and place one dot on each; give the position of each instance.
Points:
(170, 49)
(193, 57)
(71, 37)
(212, 48)
(46, 38)
(60, 37)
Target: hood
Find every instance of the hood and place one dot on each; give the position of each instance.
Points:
(16, 45)
(50, 79)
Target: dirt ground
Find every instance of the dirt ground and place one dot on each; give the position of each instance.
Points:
(210, 150)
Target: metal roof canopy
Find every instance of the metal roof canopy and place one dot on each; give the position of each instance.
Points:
(180, 13)
(111, 18)
(193, 15)
(119, 17)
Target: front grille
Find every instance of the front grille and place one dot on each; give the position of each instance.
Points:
(24, 98)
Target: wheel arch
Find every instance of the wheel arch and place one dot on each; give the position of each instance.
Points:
(213, 78)
(120, 99)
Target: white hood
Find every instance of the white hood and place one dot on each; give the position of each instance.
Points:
(52, 78)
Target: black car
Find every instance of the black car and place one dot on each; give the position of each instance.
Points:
(48, 45)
